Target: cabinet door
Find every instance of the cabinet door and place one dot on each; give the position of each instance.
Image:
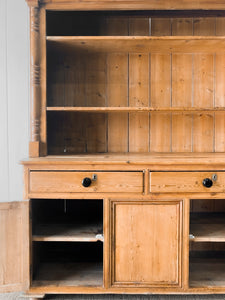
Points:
(14, 246)
(146, 243)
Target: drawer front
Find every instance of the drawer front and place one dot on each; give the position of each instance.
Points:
(187, 182)
(71, 182)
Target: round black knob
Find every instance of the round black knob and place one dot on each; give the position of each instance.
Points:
(207, 182)
(86, 182)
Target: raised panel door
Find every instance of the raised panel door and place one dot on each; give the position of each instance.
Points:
(146, 243)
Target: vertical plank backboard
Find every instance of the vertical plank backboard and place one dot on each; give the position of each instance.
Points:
(182, 90)
(219, 102)
(17, 92)
(139, 26)
(204, 26)
(160, 90)
(181, 97)
(117, 89)
(203, 94)
(95, 92)
(74, 80)
(220, 91)
(160, 135)
(138, 96)
(203, 126)
(117, 95)
(4, 159)
(139, 90)
(160, 26)
(182, 26)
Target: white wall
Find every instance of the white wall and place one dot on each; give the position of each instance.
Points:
(14, 96)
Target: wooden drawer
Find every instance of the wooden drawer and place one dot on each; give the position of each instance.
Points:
(71, 182)
(186, 182)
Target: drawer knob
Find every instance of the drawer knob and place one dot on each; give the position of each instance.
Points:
(207, 182)
(86, 182)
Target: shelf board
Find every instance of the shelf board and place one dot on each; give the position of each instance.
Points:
(68, 233)
(207, 228)
(198, 160)
(207, 272)
(139, 44)
(207, 233)
(68, 274)
(136, 109)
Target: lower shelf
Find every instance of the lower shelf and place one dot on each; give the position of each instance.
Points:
(69, 274)
(207, 272)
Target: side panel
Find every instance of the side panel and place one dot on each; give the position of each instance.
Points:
(14, 246)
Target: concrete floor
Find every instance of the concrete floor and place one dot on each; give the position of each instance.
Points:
(18, 296)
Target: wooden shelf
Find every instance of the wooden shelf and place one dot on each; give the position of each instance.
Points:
(68, 233)
(207, 272)
(214, 159)
(207, 233)
(136, 109)
(69, 274)
(139, 44)
(208, 228)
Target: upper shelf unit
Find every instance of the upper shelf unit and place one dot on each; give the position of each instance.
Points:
(138, 44)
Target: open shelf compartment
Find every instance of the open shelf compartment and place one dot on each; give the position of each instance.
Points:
(130, 23)
(67, 264)
(207, 243)
(67, 220)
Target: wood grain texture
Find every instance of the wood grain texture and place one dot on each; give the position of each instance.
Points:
(203, 128)
(139, 26)
(160, 96)
(138, 96)
(35, 87)
(117, 92)
(138, 44)
(139, 90)
(139, 229)
(43, 83)
(68, 233)
(207, 233)
(185, 182)
(188, 160)
(161, 26)
(207, 272)
(129, 5)
(69, 274)
(72, 182)
(181, 96)
(14, 271)
(219, 91)
(182, 90)
(182, 26)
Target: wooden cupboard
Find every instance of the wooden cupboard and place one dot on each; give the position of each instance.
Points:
(146, 243)
(124, 188)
